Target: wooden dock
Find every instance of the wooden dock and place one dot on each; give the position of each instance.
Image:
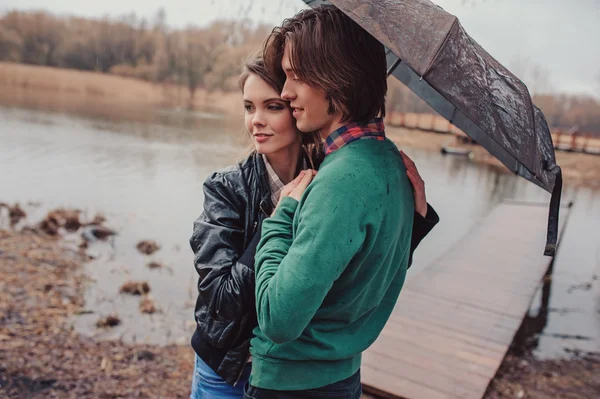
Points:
(455, 320)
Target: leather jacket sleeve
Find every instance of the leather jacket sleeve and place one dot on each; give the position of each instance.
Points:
(225, 285)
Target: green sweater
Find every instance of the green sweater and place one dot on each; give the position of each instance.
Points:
(329, 268)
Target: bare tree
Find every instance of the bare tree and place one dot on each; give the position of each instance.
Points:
(199, 50)
(10, 45)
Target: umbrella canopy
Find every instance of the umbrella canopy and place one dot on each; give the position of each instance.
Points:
(430, 52)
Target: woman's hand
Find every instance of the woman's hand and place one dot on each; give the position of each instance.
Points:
(417, 183)
(296, 187)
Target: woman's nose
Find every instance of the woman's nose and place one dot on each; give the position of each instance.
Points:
(258, 118)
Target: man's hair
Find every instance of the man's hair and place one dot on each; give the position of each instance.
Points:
(330, 51)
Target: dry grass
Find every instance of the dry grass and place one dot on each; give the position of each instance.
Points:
(73, 85)
(78, 82)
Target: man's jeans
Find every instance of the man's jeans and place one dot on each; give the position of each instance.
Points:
(207, 384)
(349, 388)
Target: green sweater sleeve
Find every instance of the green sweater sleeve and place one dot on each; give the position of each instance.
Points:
(296, 270)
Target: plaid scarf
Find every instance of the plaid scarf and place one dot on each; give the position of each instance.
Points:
(373, 129)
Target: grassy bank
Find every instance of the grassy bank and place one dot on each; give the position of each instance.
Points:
(73, 85)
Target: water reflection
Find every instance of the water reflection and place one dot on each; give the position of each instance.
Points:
(527, 338)
(573, 321)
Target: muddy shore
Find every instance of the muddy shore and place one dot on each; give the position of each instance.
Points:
(527, 377)
(41, 288)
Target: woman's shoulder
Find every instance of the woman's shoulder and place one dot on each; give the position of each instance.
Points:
(235, 177)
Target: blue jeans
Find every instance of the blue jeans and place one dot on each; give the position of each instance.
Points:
(207, 384)
(350, 388)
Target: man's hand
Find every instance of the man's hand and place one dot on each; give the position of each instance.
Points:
(417, 183)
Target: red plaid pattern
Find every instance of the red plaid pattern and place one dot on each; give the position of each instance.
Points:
(373, 129)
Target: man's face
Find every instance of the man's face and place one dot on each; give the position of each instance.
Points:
(309, 105)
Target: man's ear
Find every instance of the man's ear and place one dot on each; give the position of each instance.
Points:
(332, 108)
(336, 106)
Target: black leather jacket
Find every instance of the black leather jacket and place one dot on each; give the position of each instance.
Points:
(236, 201)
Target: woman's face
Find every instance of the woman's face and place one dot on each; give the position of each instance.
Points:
(268, 118)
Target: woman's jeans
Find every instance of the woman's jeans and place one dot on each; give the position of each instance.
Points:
(207, 384)
(350, 388)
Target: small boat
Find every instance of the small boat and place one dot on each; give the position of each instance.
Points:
(456, 151)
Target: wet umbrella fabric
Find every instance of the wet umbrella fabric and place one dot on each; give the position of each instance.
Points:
(430, 52)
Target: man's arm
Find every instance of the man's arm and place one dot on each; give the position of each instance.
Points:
(293, 276)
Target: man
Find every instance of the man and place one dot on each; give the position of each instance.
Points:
(332, 259)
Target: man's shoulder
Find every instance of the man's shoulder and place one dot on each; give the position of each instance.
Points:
(347, 176)
(364, 170)
(362, 157)
(365, 149)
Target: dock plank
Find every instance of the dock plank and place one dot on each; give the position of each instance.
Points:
(456, 318)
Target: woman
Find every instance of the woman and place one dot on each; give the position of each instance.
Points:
(237, 200)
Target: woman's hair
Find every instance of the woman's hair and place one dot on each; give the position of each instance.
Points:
(311, 142)
(331, 52)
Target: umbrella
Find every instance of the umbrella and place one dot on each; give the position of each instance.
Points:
(430, 52)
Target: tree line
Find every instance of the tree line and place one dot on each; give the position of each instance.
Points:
(198, 57)
(204, 57)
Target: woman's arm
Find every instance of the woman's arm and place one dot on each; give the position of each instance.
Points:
(225, 269)
(425, 216)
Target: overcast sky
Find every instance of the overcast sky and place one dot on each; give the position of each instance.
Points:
(562, 37)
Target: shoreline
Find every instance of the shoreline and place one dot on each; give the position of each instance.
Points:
(577, 169)
(42, 288)
(93, 93)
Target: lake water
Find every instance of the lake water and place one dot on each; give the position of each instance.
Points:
(145, 171)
